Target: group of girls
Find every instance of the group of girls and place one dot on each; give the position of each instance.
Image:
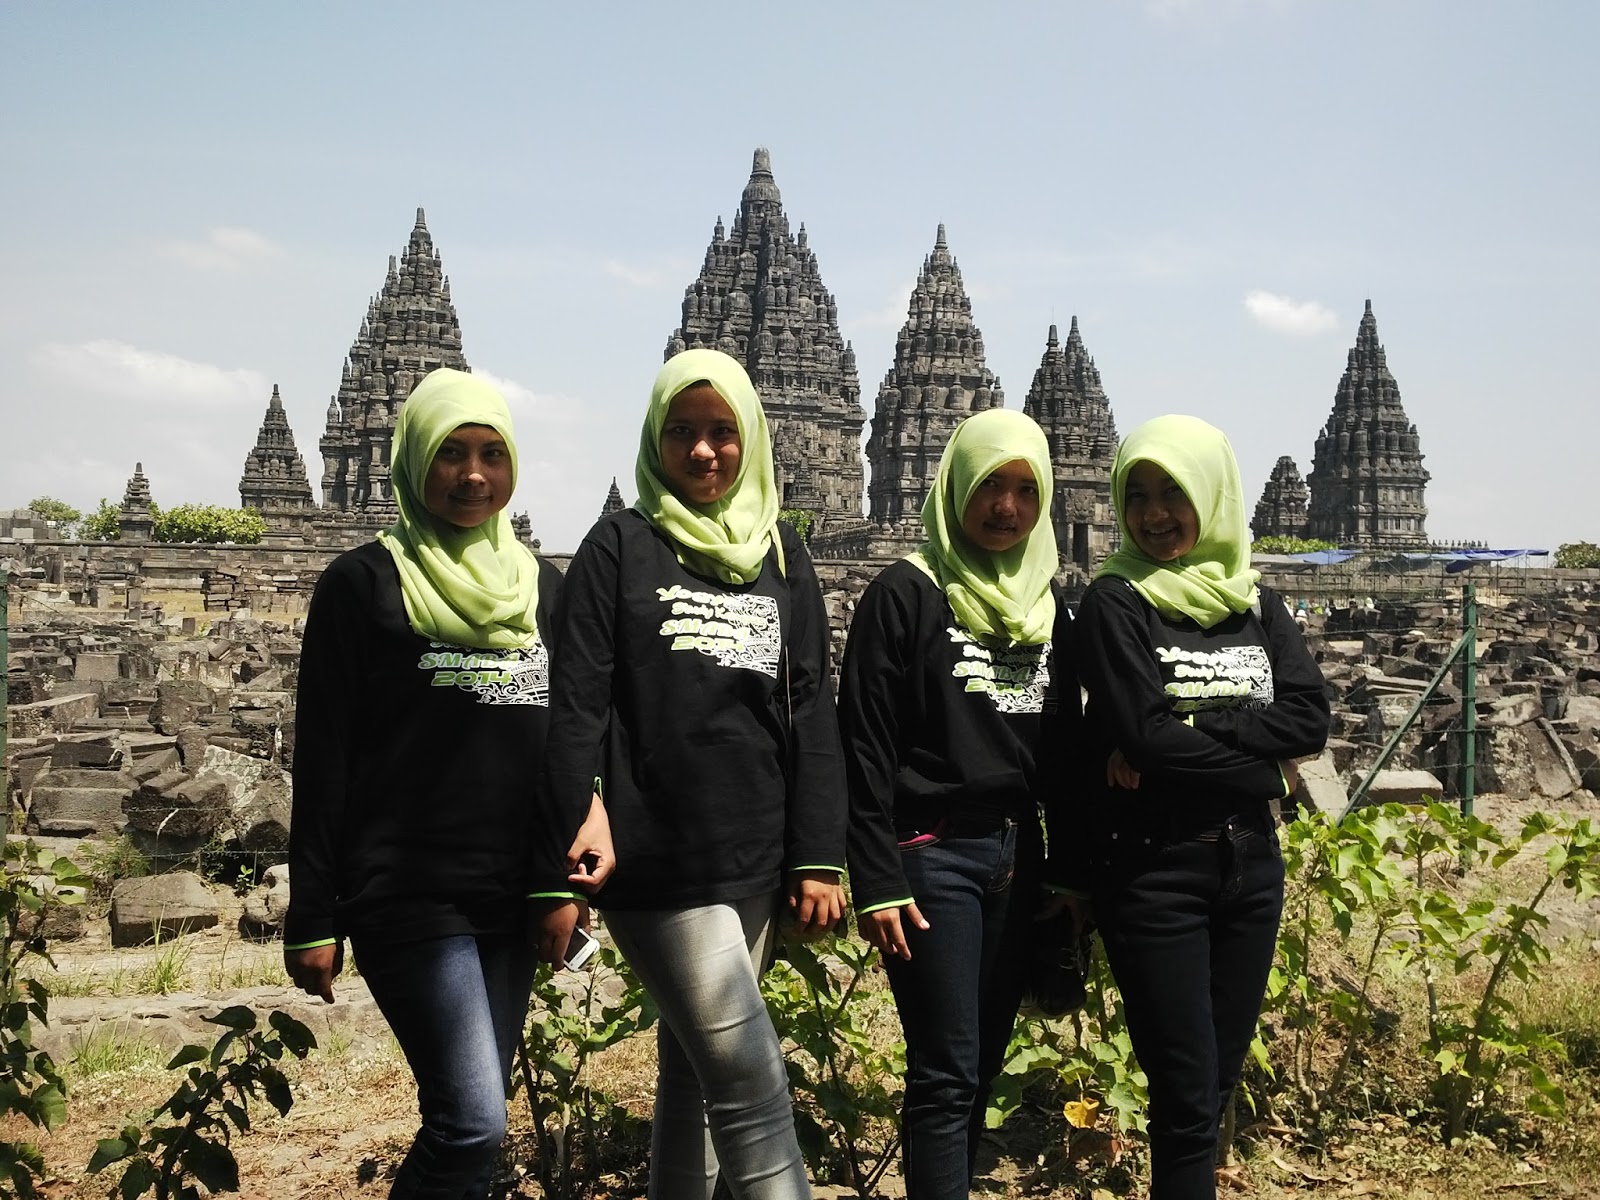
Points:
(485, 749)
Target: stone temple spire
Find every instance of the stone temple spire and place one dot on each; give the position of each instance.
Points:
(1281, 511)
(939, 377)
(613, 500)
(274, 473)
(760, 298)
(1367, 479)
(410, 329)
(1071, 406)
(136, 522)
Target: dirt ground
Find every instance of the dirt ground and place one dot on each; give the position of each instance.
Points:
(354, 1110)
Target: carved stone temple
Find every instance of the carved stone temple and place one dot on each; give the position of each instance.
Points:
(938, 378)
(1070, 404)
(1281, 511)
(136, 520)
(760, 298)
(274, 473)
(614, 502)
(410, 329)
(1367, 479)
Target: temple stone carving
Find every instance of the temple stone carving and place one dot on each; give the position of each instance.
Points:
(274, 477)
(939, 377)
(1070, 404)
(1281, 511)
(613, 502)
(410, 329)
(136, 522)
(760, 298)
(1367, 479)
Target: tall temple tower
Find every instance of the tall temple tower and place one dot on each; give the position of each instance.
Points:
(274, 473)
(136, 520)
(760, 298)
(1281, 511)
(1071, 406)
(1367, 478)
(939, 377)
(410, 329)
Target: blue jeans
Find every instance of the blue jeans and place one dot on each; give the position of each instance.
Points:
(722, 1092)
(959, 992)
(1190, 928)
(456, 1006)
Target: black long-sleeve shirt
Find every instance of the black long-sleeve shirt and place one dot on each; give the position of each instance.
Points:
(706, 713)
(937, 725)
(1204, 715)
(415, 763)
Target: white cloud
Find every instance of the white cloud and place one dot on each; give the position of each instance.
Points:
(117, 369)
(891, 315)
(224, 248)
(1299, 318)
(634, 277)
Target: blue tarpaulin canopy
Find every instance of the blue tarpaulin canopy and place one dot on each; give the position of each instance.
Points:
(1462, 560)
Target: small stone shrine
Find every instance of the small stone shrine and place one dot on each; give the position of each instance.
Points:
(274, 473)
(1281, 511)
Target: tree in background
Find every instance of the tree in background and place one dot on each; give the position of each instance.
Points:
(209, 523)
(101, 525)
(1578, 554)
(1289, 545)
(48, 508)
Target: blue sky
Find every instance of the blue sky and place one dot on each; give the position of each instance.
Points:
(199, 199)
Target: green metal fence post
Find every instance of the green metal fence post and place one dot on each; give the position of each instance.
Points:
(1469, 699)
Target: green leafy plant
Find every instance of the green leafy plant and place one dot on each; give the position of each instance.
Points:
(194, 1150)
(1578, 554)
(568, 1027)
(32, 882)
(209, 523)
(844, 1067)
(1087, 1057)
(1290, 545)
(800, 519)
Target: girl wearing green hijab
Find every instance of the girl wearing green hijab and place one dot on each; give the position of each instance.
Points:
(692, 677)
(422, 713)
(1200, 694)
(948, 674)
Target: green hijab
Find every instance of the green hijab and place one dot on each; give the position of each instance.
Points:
(469, 587)
(1214, 579)
(726, 540)
(997, 597)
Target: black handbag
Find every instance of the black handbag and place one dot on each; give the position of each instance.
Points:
(1058, 967)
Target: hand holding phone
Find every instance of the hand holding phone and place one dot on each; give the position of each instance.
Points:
(581, 947)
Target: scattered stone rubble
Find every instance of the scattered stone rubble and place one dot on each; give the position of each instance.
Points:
(182, 742)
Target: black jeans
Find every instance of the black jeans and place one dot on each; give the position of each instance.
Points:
(1190, 928)
(958, 995)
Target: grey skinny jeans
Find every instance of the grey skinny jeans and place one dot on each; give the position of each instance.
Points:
(722, 1093)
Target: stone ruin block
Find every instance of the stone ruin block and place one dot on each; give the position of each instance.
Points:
(180, 702)
(74, 801)
(266, 906)
(173, 805)
(164, 906)
(1404, 786)
(97, 666)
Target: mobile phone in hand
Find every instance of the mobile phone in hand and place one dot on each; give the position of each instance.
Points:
(581, 948)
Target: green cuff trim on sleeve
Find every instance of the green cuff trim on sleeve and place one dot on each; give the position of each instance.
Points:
(818, 867)
(1287, 790)
(556, 896)
(600, 788)
(1189, 720)
(314, 945)
(872, 908)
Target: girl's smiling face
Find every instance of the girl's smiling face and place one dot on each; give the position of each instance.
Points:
(1158, 514)
(1004, 508)
(700, 445)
